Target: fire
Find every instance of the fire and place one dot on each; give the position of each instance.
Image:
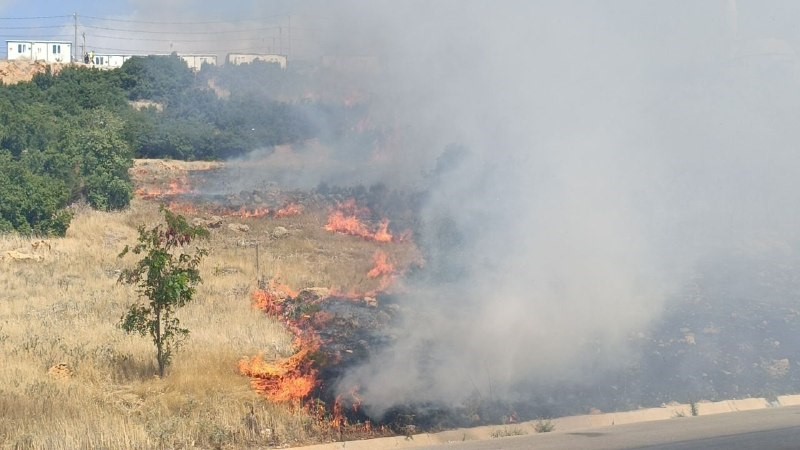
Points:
(338, 416)
(347, 219)
(250, 213)
(383, 234)
(281, 289)
(268, 302)
(339, 223)
(382, 266)
(176, 187)
(292, 209)
(290, 380)
(293, 379)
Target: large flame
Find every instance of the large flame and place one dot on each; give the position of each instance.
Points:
(292, 379)
(348, 217)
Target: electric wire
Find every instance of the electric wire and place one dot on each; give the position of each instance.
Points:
(184, 23)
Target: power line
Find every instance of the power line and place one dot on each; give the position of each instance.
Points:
(20, 37)
(161, 51)
(31, 28)
(148, 31)
(120, 38)
(186, 23)
(181, 32)
(34, 18)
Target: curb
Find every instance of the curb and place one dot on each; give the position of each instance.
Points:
(563, 424)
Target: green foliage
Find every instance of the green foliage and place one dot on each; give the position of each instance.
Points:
(71, 136)
(507, 432)
(544, 426)
(166, 278)
(104, 158)
(61, 141)
(31, 203)
(159, 78)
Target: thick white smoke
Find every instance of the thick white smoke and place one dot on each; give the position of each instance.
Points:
(606, 147)
(597, 151)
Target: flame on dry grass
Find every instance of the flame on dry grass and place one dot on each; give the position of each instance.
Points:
(290, 210)
(292, 379)
(348, 218)
(383, 267)
(176, 187)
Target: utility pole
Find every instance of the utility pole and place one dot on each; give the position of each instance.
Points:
(75, 42)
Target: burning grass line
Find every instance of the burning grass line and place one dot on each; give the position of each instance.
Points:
(295, 380)
(348, 218)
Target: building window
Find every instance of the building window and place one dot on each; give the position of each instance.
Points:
(56, 48)
(20, 48)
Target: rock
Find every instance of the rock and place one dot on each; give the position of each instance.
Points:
(19, 256)
(777, 368)
(240, 227)
(211, 222)
(60, 372)
(280, 232)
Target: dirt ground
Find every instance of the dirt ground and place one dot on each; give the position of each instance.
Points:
(12, 72)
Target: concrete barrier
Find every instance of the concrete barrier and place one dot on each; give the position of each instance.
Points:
(745, 404)
(562, 424)
(645, 415)
(789, 400)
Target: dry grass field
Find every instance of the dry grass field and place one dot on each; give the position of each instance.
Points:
(70, 378)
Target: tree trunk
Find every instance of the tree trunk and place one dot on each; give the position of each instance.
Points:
(159, 344)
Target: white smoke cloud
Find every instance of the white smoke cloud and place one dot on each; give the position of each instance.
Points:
(607, 147)
(611, 145)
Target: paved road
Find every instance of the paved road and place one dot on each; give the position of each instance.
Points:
(766, 429)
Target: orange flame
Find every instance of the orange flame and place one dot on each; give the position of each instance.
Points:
(280, 289)
(382, 265)
(293, 379)
(290, 380)
(346, 219)
(176, 187)
(383, 234)
(292, 209)
(267, 302)
(339, 223)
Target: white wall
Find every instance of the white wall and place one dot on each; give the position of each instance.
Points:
(52, 52)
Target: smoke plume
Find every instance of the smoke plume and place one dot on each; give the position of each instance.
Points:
(579, 161)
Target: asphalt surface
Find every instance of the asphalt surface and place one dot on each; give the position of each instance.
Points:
(766, 429)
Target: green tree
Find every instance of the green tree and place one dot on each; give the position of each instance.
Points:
(155, 77)
(166, 278)
(96, 143)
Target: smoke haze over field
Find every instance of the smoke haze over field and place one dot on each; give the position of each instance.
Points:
(598, 151)
(608, 147)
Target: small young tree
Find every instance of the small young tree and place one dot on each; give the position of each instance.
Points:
(166, 278)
